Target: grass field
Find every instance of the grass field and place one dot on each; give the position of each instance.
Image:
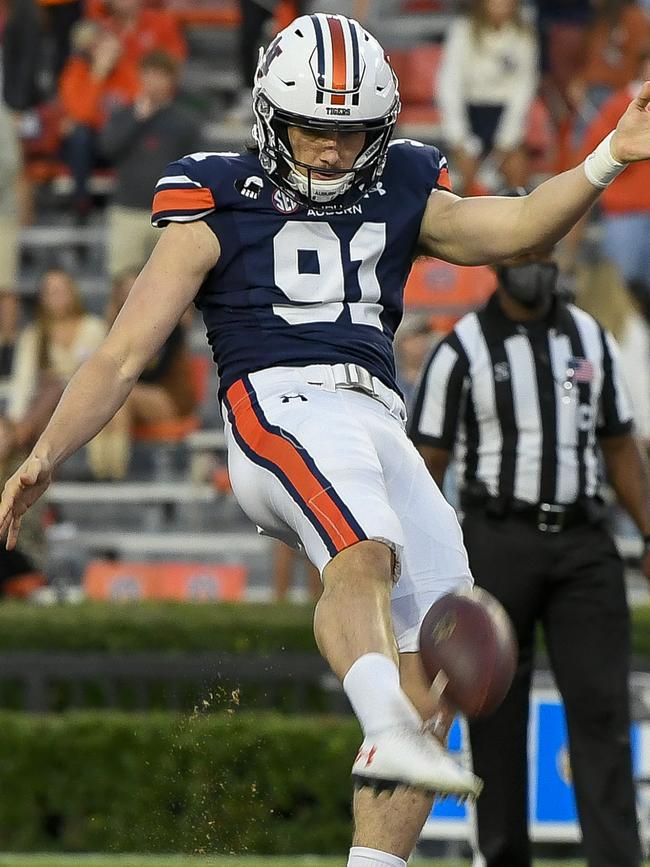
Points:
(183, 861)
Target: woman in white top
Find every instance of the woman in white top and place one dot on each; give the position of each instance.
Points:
(487, 82)
(601, 291)
(48, 352)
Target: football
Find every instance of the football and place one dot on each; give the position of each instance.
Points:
(469, 651)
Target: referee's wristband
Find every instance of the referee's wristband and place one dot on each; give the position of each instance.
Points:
(600, 166)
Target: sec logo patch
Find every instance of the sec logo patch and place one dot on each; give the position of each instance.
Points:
(283, 202)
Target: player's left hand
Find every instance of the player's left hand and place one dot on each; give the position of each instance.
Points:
(28, 483)
(631, 140)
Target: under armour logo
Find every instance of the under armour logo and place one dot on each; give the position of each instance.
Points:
(293, 396)
(377, 188)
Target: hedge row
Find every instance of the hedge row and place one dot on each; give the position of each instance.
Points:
(169, 626)
(237, 783)
(166, 626)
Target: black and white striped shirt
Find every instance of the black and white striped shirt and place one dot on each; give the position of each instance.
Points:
(521, 405)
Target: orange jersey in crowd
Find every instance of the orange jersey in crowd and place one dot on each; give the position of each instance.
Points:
(612, 53)
(89, 100)
(155, 29)
(631, 189)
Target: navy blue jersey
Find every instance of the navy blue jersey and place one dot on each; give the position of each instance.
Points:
(298, 285)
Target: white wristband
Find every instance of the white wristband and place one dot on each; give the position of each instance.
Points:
(600, 166)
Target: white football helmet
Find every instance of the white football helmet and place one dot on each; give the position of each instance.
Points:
(324, 72)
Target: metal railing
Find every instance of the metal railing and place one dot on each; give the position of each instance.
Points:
(54, 682)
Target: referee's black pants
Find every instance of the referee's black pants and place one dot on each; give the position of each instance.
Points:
(573, 583)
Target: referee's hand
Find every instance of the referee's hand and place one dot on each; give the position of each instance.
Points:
(28, 483)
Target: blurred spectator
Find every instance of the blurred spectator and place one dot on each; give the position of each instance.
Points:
(413, 342)
(18, 435)
(553, 13)
(21, 46)
(640, 291)
(19, 578)
(21, 85)
(60, 16)
(90, 84)
(561, 28)
(10, 163)
(9, 322)
(614, 41)
(163, 393)
(626, 203)
(602, 293)
(487, 82)
(47, 354)
(21, 569)
(102, 74)
(140, 140)
(286, 561)
(139, 29)
(357, 9)
(255, 16)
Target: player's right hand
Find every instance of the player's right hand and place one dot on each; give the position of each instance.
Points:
(631, 139)
(28, 483)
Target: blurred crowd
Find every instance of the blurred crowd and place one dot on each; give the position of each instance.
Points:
(96, 87)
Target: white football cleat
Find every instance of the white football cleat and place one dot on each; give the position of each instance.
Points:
(407, 757)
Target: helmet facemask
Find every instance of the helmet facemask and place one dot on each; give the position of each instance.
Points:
(271, 132)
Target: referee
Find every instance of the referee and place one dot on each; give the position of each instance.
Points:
(523, 394)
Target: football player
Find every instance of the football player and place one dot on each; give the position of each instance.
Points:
(297, 255)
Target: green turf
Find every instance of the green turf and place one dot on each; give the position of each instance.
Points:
(169, 861)
(182, 861)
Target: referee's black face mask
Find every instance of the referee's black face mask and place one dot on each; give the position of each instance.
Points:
(531, 284)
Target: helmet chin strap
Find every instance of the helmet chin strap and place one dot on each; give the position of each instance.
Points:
(319, 190)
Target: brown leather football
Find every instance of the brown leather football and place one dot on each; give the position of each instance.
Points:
(469, 651)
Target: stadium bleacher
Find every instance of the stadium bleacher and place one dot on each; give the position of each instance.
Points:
(176, 502)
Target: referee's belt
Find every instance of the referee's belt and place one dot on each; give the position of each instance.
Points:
(547, 517)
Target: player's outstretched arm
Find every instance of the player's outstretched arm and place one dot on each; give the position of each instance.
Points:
(162, 292)
(487, 229)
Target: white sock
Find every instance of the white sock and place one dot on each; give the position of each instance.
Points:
(372, 685)
(360, 856)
